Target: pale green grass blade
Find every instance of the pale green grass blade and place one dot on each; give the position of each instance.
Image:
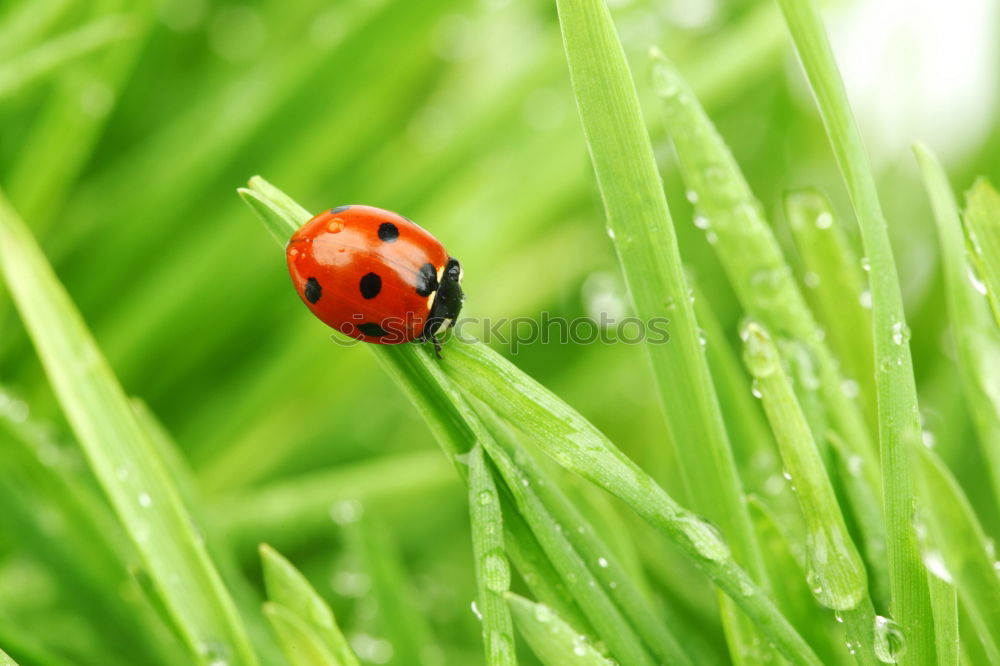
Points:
(43, 59)
(836, 574)
(836, 286)
(977, 338)
(298, 640)
(899, 416)
(944, 601)
(639, 222)
(287, 587)
(575, 444)
(120, 453)
(5, 660)
(554, 642)
(982, 223)
(492, 569)
(957, 549)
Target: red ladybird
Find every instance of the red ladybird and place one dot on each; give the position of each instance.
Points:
(375, 275)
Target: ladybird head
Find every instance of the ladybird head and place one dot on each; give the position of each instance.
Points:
(447, 300)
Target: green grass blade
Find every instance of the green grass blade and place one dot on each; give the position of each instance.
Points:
(281, 215)
(554, 642)
(492, 568)
(5, 660)
(298, 640)
(977, 339)
(957, 549)
(639, 222)
(43, 59)
(944, 600)
(287, 587)
(982, 222)
(120, 453)
(837, 289)
(836, 575)
(575, 444)
(899, 417)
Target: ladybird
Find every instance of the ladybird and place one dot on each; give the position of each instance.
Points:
(375, 276)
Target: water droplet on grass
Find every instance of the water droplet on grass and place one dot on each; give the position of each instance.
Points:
(890, 643)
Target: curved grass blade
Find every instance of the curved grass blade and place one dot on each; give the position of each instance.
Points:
(492, 569)
(554, 642)
(977, 338)
(301, 645)
(982, 222)
(5, 659)
(898, 412)
(287, 587)
(120, 453)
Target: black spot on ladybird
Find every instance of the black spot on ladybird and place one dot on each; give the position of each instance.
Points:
(388, 232)
(427, 282)
(313, 291)
(339, 209)
(372, 330)
(371, 284)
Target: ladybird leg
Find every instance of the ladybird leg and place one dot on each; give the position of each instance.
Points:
(437, 346)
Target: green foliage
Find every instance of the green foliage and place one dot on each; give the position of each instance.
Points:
(595, 503)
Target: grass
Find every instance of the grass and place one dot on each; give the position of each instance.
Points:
(714, 499)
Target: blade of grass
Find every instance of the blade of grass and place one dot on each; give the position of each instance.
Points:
(287, 587)
(836, 286)
(5, 659)
(575, 444)
(492, 569)
(298, 640)
(43, 59)
(639, 223)
(977, 339)
(836, 575)
(944, 601)
(898, 412)
(554, 642)
(120, 453)
(982, 222)
(956, 547)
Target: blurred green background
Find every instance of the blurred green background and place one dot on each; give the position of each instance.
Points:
(126, 126)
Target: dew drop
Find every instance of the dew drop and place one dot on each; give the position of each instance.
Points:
(900, 333)
(824, 220)
(496, 572)
(866, 264)
(890, 643)
(702, 222)
(611, 233)
(712, 238)
(485, 497)
(346, 511)
(865, 299)
(850, 388)
(543, 613)
(704, 537)
(977, 283)
(501, 648)
(602, 562)
(145, 500)
(476, 611)
(755, 389)
(692, 196)
(934, 562)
